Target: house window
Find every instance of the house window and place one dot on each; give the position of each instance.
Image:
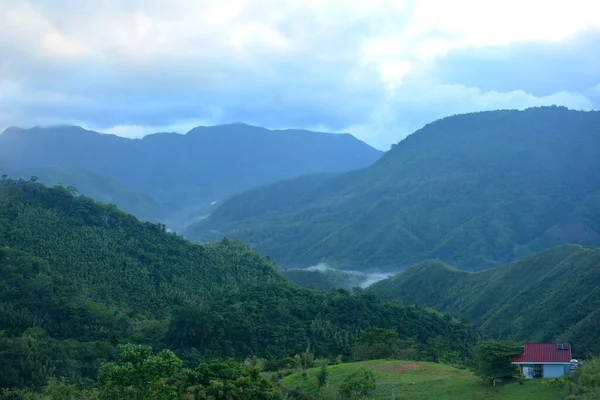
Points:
(537, 370)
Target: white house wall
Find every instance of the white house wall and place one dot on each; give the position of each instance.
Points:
(553, 370)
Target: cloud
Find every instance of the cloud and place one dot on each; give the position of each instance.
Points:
(540, 68)
(379, 69)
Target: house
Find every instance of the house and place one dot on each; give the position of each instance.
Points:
(544, 360)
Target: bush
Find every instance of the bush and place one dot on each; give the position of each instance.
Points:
(585, 382)
(357, 385)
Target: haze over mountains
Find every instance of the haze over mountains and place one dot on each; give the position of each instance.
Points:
(170, 177)
(474, 190)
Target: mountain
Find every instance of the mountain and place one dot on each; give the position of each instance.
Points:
(553, 295)
(77, 278)
(101, 188)
(473, 190)
(187, 172)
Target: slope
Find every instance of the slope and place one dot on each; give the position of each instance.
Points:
(79, 277)
(553, 295)
(100, 188)
(474, 190)
(419, 381)
(192, 170)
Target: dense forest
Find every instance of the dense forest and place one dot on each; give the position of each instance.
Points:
(182, 174)
(475, 191)
(78, 278)
(553, 295)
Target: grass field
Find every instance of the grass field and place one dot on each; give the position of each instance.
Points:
(423, 381)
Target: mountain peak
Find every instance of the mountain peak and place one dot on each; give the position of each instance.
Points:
(11, 130)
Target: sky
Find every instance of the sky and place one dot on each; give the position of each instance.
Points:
(379, 69)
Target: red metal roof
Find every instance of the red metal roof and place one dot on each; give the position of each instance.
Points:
(543, 352)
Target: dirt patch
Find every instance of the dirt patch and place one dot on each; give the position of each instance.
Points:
(440, 372)
(399, 368)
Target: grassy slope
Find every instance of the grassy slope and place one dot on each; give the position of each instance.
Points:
(431, 381)
(475, 190)
(551, 295)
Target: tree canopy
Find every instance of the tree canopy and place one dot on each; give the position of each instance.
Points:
(80, 278)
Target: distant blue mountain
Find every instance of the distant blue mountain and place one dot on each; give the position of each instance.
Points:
(185, 173)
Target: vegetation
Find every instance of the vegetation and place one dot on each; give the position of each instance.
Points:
(359, 384)
(375, 343)
(492, 360)
(79, 278)
(420, 381)
(553, 295)
(585, 383)
(137, 374)
(183, 174)
(475, 191)
(100, 188)
(324, 279)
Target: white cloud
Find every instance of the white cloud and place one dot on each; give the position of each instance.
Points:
(132, 66)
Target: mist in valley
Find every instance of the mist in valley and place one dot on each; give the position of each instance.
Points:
(343, 278)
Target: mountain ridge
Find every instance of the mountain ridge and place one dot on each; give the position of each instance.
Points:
(474, 190)
(551, 295)
(192, 170)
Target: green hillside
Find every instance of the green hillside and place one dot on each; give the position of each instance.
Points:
(474, 190)
(79, 277)
(421, 381)
(553, 295)
(100, 188)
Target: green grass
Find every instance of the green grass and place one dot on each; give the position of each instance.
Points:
(423, 380)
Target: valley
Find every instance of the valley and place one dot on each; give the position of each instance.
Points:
(193, 256)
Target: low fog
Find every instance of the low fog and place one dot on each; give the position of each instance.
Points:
(366, 278)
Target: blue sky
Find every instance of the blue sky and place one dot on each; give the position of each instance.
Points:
(377, 69)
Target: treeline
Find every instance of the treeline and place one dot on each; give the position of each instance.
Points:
(78, 278)
(138, 374)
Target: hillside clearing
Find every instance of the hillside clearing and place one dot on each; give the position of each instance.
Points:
(423, 380)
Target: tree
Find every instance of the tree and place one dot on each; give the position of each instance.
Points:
(227, 380)
(375, 343)
(585, 382)
(358, 384)
(492, 359)
(307, 360)
(437, 347)
(409, 350)
(138, 375)
(322, 376)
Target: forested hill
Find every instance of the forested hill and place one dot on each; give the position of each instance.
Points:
(101, 188)
(553, 295)
(474, 190)
(187, 172)
(79, 277)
